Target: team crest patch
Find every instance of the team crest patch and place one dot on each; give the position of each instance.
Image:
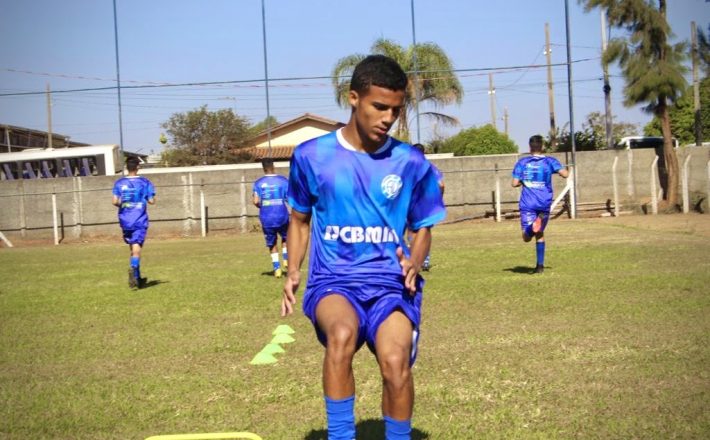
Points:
(391, 186)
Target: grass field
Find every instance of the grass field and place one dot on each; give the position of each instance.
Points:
(612, 341)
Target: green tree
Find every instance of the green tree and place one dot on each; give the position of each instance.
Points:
(478, 141)
(436, 82)
(683, 116)
(203, 137)
(652, 68)
(593, 134)
(257, 128)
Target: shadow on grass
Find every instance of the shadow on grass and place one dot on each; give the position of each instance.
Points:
(151, 283)
(269, 273)
(523, 269)
(368, 429)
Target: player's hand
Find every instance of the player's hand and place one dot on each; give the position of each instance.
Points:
(409, 272)
(293, 280)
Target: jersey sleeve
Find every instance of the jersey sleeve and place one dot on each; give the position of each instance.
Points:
(300, 196)
(427, 205)
(518, 170)
(555, 165)
(116, 190)
(151, 189)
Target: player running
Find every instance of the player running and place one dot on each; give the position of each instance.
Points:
(269, 195)
(131, 194)
(534, 173)
(354, 191)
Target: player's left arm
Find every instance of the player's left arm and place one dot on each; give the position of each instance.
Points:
(116, 200)
(419, 249)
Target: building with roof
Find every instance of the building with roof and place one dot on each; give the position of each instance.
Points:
(285, 137)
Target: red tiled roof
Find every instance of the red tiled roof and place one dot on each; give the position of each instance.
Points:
(277, 153)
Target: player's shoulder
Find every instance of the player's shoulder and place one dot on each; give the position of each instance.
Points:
(315, 145)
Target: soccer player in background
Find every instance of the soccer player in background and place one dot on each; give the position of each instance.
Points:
(534, 173)
(269, 195)
(357, 189)
(131, 194)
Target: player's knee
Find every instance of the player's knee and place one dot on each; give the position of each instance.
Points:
(341, 340)
(526, 237)
(394, 366)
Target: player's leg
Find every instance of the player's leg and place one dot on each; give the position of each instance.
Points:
(540, 242)
(338, 321)
(393, 345)
(284, 250)
(527, 218)
(270, 238)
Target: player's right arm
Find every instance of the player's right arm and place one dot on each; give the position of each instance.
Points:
(297, 243)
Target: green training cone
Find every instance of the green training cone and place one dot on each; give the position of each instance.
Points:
(283, 329)
(273, 348)
(263, 358)
(282, 339)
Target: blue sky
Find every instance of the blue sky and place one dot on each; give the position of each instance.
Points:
(70, 45)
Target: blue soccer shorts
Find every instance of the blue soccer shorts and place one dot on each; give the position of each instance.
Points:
(134, 236)
(373, 304)
(528, 216)
(270, 234)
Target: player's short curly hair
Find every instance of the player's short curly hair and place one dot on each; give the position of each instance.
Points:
(536, 142)
(132, 163)
(380, 71)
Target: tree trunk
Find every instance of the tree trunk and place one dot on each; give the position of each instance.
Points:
(671, 160)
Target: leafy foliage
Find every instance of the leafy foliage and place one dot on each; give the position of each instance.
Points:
(478, 141)
(257, 128)
(203, 137)
(435, 81)
(683, 116)
(593, 134)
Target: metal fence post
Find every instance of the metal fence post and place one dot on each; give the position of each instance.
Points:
(203, 216)
(654, 197)
(497, 194)
(616, 186)
(243, 200)
(686, 195)
(54, 216)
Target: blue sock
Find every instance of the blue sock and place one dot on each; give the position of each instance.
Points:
(397, 429)
(341, 418)
(136, 266)
(540, 251)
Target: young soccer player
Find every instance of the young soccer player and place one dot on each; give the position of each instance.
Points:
(270, 197)
(534, 173)
(354, 191)
(131, 194)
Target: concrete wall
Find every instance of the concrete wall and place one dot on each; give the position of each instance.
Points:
(84, 204)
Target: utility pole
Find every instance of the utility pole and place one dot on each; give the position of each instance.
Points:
(49, 118)
(696, 85)
(492, 93)
(505, 119)
(550, 91)
(608, 118)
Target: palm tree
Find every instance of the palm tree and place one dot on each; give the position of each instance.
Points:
(435, 81)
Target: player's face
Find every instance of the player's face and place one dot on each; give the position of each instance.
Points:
(375, 111)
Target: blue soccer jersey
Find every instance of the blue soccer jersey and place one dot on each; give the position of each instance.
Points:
(271, 190)
(360, 204)
(133, 193)
(535, 172)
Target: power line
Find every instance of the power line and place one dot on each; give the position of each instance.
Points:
(255, 82)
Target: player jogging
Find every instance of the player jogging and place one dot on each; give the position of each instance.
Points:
(131, 194)
(534, 173)
(357, 189)
(269, 195)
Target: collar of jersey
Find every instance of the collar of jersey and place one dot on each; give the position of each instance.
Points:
(345, 144)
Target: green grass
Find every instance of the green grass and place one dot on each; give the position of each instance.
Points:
(613, 341)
